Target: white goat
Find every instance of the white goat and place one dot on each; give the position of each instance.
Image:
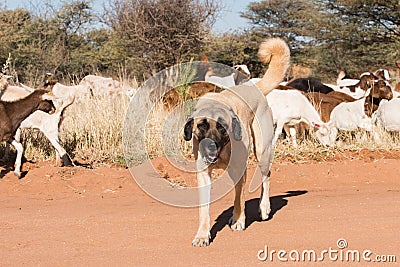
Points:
(387, 115)
(74, 91)
(289, 108)
(224, 82)
(341, 81)
(100, 86)
(347, 116)
(12, 93)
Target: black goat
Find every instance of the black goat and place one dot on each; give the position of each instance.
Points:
(310, 85)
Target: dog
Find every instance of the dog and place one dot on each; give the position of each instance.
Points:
(226, 124)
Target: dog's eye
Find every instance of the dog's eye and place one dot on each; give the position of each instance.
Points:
(221, 128)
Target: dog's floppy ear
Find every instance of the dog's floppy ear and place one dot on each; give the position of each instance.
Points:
(188, 129)
(236, 128)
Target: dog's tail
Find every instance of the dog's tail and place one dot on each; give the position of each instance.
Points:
(275, 52)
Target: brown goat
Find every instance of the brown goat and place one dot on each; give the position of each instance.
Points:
(13, 113)
(380, 90)
(365, 82)
(172, 98)
(325, 103)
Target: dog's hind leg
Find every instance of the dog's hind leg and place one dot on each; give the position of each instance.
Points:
(202, 237)
(265, 206)
(264, 146)
(238, 220)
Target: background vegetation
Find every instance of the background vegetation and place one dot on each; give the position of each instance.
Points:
(131, 40)
(128, 38)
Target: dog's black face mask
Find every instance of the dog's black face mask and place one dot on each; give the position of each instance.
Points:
(212, 135)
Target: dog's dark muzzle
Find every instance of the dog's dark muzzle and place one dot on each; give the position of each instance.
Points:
(209, 150)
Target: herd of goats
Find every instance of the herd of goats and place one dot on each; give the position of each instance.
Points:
(366, 102)
(325, 109)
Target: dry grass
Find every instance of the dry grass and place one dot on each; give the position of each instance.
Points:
(348, 144)
(91, 132)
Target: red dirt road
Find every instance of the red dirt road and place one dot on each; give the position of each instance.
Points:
(100, 217)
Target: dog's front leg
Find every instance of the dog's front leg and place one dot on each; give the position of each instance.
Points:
(238, 220)
(202, 237)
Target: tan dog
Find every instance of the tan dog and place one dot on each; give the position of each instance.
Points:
(227, 124)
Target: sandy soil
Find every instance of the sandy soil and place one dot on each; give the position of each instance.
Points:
(100, 217)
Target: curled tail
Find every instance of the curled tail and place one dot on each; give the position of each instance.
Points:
(275, 52)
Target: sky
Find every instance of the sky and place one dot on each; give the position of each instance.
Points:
(228, 20)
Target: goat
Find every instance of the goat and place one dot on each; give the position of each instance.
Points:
(74, 91)
(100, 86)
(379, 90)
(12, 93)
(309, 85)
(325, 103)
(224, 82)
(172, 98)
(350, 116)
(387, 115)
(49, 81)
(382, 74)
(289, 108)
(12, 114)
(48, 124)
(356, 88)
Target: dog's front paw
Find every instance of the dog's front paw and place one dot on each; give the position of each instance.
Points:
(238, 225)
(201, 241)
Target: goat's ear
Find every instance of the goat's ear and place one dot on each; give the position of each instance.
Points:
(236, 128)
(187, 131)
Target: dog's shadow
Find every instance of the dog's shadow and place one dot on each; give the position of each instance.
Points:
(251, 210)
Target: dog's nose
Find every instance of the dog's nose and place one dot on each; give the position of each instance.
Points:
(212, 146)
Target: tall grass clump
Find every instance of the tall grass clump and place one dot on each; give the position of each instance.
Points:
(150, 128)
(92, 128)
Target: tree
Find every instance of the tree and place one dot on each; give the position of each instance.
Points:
(235, 48)
(54, 43)
(329, 36)
(161, 33)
